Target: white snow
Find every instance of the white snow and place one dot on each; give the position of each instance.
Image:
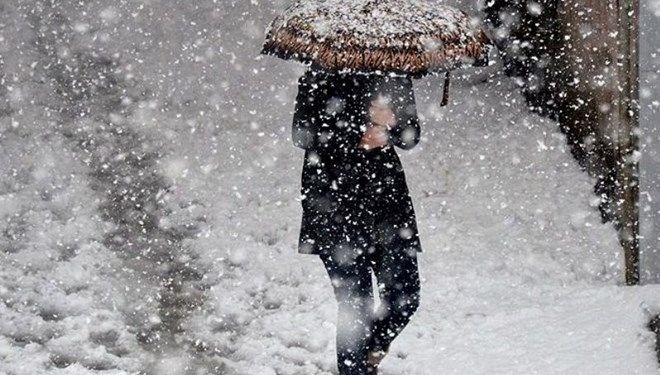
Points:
(370, 21)
(375, 18)
(519, 275)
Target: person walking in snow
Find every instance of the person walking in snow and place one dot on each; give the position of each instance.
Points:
(358, 216)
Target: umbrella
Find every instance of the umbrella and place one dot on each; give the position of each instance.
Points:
(410, 37)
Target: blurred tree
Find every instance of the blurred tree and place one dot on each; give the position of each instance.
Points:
(576, 62)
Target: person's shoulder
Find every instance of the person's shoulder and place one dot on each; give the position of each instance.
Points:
(314, 79)
(313, 75)
(395, 84)
(399, 80)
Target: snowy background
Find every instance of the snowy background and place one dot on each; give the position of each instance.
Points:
(149, 197)
(649, 72)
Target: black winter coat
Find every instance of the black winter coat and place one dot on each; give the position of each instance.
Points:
(353, 198)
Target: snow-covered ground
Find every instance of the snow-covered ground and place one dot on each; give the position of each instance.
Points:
(152, 226)
(519, 274)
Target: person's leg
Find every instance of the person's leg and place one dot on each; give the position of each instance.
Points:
(399, 287)
(350, 275)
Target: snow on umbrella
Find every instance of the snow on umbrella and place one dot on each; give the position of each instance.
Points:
(413, 37)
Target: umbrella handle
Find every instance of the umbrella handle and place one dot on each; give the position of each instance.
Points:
(445, 91)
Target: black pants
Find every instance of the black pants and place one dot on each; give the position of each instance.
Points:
(360, 329)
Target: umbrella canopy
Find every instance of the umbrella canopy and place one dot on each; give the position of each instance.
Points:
(412, 37)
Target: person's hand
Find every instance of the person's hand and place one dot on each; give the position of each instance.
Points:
(375, 136)
(381, 119)
(380, 113)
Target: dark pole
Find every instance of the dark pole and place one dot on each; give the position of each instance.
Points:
(627, 145)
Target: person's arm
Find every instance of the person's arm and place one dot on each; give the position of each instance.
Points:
(406, 133)
(307, 117)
